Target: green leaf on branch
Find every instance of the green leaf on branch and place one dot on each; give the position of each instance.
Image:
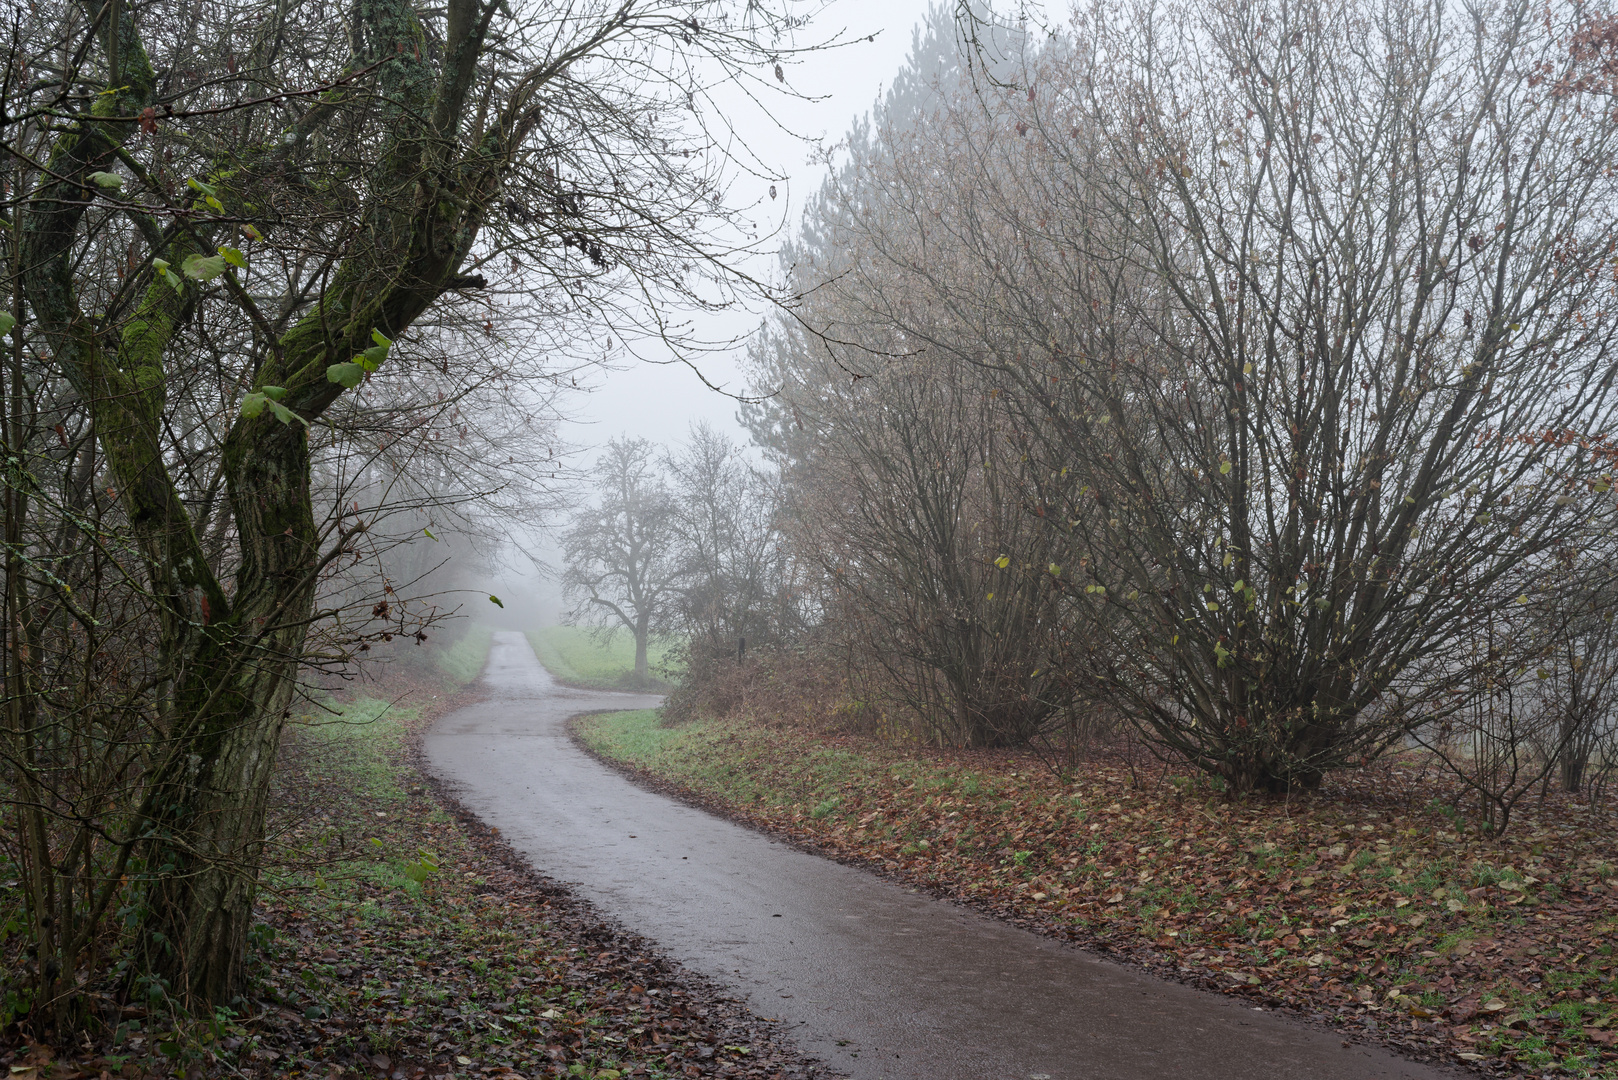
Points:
(285, 415)
(1224, 468)
(7, 321)
(203, 267)
(495, 600)
(233, 257)
(110, 181)
(430, 535)
(348, 375)
(160, 267)
(267, 398)
(371, 358)
(198, 185)
(379, 351)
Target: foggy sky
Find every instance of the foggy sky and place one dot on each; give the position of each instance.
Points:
(659, 402)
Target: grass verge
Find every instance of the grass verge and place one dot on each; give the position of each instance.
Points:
(1367, 908)
(574, 656)
(463, 662)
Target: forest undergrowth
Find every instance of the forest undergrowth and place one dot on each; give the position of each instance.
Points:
(1370, 905)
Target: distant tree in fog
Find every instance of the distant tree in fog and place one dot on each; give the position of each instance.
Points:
(620, 553)
(736, 579)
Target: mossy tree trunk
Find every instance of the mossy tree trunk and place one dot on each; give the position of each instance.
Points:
(229, 655)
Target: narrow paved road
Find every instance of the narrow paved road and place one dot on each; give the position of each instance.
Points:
(875, 979)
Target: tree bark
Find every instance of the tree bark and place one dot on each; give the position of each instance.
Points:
(642, 636)
(231, 660)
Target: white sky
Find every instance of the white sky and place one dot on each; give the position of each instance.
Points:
(659, 402)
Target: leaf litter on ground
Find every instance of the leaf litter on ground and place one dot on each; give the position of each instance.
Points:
(1369, 905)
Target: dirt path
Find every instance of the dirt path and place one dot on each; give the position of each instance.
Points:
(879, 981)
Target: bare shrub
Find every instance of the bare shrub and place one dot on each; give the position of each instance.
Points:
(1312, 360)
(803, 684)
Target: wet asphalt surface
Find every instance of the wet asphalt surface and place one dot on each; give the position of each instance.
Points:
(877, 980)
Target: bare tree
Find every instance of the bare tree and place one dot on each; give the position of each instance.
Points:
(907, 490)
(907, 476)
(1579, 668)
(621, 553)
(943, 578)
(739, 586)
(1308, 306)
(245, 244)
(1540, 681)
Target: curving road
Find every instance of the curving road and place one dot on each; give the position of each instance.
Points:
(877, 980)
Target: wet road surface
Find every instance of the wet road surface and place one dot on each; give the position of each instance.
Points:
(877, 980)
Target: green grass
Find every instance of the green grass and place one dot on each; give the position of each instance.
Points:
(719, 758)
(358, 746)
(637, 737)
(574, 655)
(697, 754)
(463, 661)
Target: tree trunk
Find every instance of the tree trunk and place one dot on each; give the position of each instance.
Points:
(642, 634)
(204, 863)
(208, 800)
(1573, 764)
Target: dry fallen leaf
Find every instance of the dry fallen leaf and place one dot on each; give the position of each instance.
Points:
(1120, 857)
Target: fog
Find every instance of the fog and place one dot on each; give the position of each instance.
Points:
(659, 396)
